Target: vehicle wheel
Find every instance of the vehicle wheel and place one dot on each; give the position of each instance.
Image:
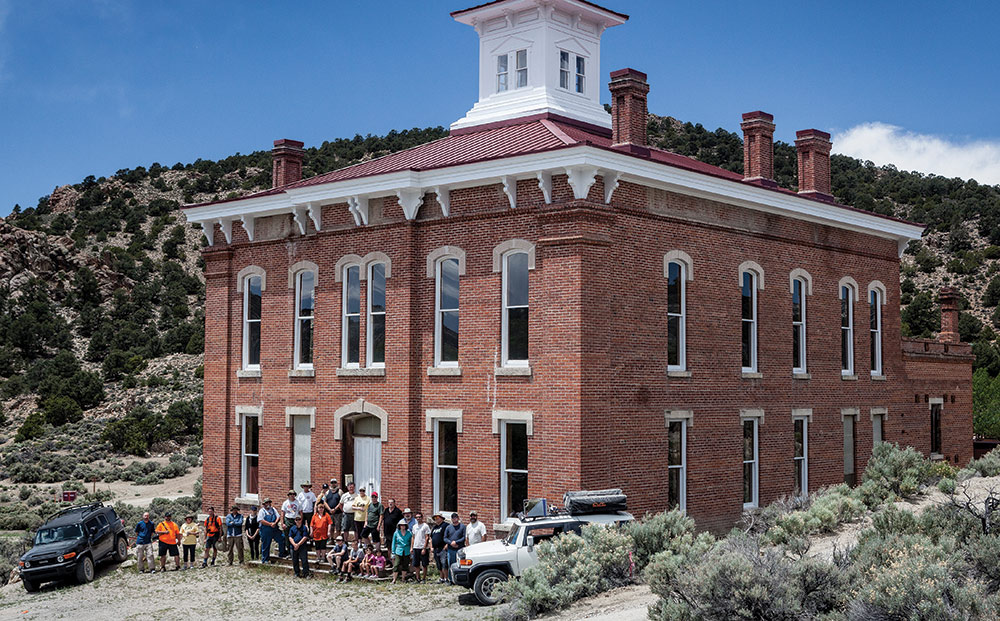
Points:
(85, 570)
(29, 585)
(121, 550)
(486, 586)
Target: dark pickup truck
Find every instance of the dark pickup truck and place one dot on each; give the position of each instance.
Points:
(71, 543)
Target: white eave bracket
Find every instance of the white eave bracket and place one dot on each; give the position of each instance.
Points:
(611, 179)
(299, 214)
(581, 178)
(358, 206)
(443, 199)
(510, 189)
(248, 222)
(410, 200)
(226, 224)
(315, 212)
(545, 185)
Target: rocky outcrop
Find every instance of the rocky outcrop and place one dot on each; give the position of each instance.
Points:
(63, 199)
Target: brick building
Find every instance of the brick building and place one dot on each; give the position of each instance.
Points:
(543, 302)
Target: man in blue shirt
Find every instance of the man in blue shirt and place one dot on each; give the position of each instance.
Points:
(454, 540)
(298, 537)
(234, 532)
(144, 544)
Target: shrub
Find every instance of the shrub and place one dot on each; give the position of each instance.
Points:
(986, 466)
(61, 410)
(893, 472)
(32, 427)
(570, 567)
(668, 530)
(826, 509)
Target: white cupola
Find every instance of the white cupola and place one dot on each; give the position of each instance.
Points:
(538, 56)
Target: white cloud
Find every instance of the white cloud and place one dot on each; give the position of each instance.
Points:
(888, 144)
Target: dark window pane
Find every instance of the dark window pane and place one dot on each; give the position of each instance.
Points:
(378, 288)
(748, 444)
(251, 474)
(798, 476)
(796, 347)
(449, 336)
(517, 279)
(251, 435)
(747, 482)
(845, 307)
(674, 289)
(378, 338)
(797, 301)
(517, 491)
(449, 488)
(674, 444)
(449, 284)
(673, 340)
(799, 430)
(747, 344)
(353, 290)
(253, 297)
(353, 339)
(517, 446)
(517, 334)
(873, 311)
(747, 290)
(253, 354)
(674, 488)
(305, 341)
(447, 443)
(307, 288)
(936, 428)
(845, 345)
(873, 349)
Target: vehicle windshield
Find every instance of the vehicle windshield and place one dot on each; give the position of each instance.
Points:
(58, 533)
(512, 537)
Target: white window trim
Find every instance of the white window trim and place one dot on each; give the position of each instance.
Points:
(246, 321)
(297, 349)
(682, 331)
(754, 286)
(877, 369)
(686, 418)
(801, 326)
(504, 500)
(437, 466)
(504, 359)
(505, 73)
(438, 363)
(369, 324)
(852, 294)
(756, 459)
(805, 450)
(344, 316)
(243, 413)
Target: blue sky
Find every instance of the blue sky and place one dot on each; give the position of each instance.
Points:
(92, 86)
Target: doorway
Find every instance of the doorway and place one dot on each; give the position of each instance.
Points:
(362, 452)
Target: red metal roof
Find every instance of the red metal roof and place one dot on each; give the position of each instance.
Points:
(534, 134)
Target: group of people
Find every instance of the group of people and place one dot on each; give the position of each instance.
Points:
(351, 530)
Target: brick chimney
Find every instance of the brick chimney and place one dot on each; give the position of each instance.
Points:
(286, 162)
(758, 147)
(948, 299)
(813, 147)
(628, 107)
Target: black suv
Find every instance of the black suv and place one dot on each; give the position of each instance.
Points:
(71, 543)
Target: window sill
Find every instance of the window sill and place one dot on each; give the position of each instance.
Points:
(444, 371)
(512, 371)
(246, 500)
(937, 457)
(678, 373)
(302, 373)
(879, 378)
(849, 378)
(361, 372)
(802, 376)
(752, 375)
(248, 373)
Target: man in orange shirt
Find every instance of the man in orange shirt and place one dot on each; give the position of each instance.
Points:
(320, 525)
(168, 531)
(213, 532)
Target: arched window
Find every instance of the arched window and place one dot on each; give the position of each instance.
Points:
(875, 300)
(515, 309)
(375, 342)
(351, 320)
(252, 289)
(447, 271)
(305, 304)
(751, 277)
(847, 297)
(799, 289)
(676, 273)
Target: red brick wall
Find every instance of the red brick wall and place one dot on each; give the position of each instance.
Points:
(599, 386)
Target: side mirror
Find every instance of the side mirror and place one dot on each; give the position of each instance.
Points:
(530, 541)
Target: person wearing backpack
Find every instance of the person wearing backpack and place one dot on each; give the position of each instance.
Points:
(213, 531)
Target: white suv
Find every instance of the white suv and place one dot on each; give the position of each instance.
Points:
(483, 566)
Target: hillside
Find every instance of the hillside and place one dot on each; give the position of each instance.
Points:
(103, 307)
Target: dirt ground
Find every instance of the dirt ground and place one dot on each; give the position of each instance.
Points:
(142, 495)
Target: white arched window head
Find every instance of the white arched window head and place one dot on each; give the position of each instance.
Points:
(446, 265)
(751, 281)
(876, 300)
(302, 278)
(800, 286)
(251, 282)
(848, 293)
(677, 270)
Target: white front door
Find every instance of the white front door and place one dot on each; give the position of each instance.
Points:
(302, 450)
(368, 463)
